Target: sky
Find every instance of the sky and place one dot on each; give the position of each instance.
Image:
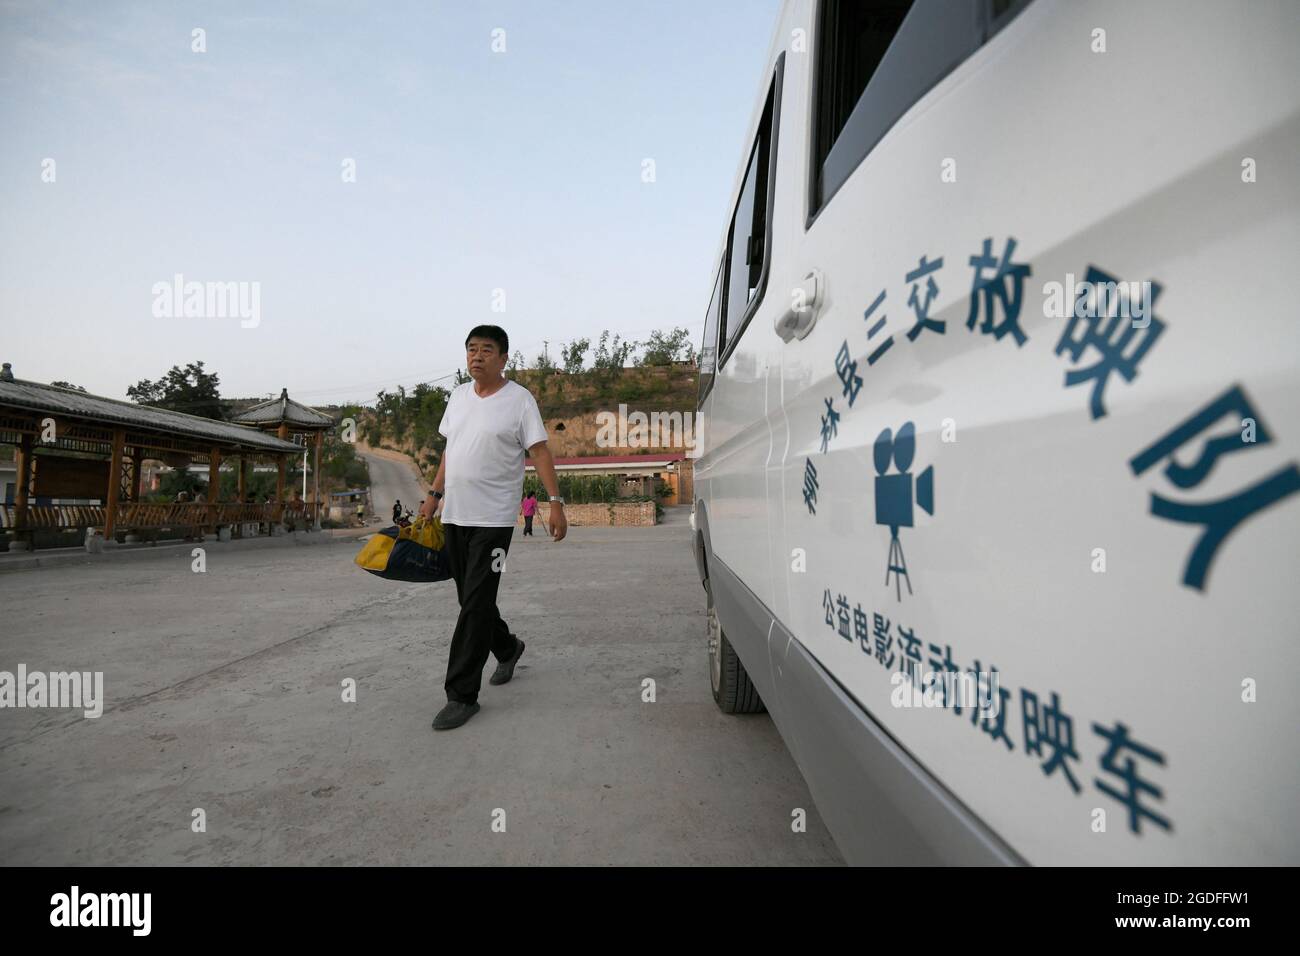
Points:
(382, 176)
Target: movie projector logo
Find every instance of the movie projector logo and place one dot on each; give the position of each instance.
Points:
(894, 496)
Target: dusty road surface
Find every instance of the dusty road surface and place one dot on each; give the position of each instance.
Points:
(224, 694)
(393, 476)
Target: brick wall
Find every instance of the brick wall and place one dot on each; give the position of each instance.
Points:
(625, 514)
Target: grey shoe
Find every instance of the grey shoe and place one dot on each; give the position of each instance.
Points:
(454, 714)
(506, 669)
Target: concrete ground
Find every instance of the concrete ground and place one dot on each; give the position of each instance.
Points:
(223, 692)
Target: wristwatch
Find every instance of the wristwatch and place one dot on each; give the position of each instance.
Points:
(557, 498)
(436, 494)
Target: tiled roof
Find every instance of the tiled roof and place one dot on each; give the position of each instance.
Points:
(35, 396)
(283, 409)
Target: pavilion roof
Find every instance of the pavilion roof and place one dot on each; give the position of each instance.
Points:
(283, 409)
(27, 396)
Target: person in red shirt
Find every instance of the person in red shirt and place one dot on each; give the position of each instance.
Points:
(529, 508)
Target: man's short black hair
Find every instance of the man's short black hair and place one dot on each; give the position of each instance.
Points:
(493, 332)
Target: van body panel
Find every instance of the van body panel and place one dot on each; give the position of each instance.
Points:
(1032, 527)
(746, 622)
(882, 806)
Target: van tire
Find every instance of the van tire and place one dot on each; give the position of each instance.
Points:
(733, 691)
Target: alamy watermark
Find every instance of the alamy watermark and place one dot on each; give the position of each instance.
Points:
(969, 689)
(77, 689)
(179, 299)
(638, 429)
(1098, 300)
(76, 908)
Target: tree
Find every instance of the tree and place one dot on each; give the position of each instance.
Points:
(417, 415)
(612, 356)
(261, 485)
(188, 389)
(574, 354)
(663, 349)
(67, 385)
(171, 483)
(428, 402)
(391, 413)
(543, 363)
(339, 461)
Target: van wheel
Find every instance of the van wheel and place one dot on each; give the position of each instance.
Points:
(733, 691)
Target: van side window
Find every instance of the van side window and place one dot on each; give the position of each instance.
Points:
(709, 348)
(874, 60)
(1000, 13)
(747, 240)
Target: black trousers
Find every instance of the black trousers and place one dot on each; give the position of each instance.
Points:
(528, 524)
(479, 628)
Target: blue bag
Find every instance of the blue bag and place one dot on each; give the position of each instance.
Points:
(410, 556)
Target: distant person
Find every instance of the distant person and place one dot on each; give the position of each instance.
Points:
(490, 424)
(529, 508)
(397, 511)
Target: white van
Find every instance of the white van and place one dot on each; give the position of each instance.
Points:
(998, 494)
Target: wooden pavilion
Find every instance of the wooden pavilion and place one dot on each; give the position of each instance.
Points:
(292, 420)
(71, 444)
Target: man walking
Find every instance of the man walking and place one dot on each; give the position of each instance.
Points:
(489, 422)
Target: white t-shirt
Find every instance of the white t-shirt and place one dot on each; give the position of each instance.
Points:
(486, 439)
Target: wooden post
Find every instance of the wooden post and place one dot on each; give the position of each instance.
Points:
(214, 476)
(283, 434)
(214, 489)
(278, 512)
(241, 493)
(137, 466)
(315, 472)
(24, 462)
(114, 484)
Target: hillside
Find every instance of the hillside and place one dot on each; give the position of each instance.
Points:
(569, 403)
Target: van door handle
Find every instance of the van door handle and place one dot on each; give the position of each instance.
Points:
(805, 304)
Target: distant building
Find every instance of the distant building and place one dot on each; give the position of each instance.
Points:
(638, 475)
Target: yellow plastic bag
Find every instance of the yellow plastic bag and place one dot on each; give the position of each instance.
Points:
(374, 554)
(425, 532)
